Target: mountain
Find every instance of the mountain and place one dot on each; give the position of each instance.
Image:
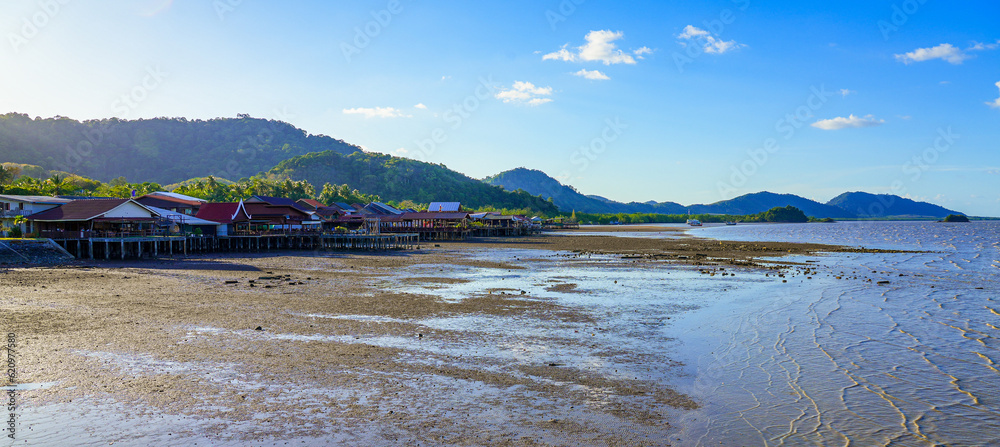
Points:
(864, 204)
(161, 150)
(759, 202)
(569, 199)
(398, 179)
(844, 206)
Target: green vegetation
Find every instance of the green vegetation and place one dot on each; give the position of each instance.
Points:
(955, 218)
(782, 214)
(401, 179)
(161, 150)
(778, 214)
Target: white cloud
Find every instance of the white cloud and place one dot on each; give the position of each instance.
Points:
(525, 92)
(851, 121)
(844, 92)
(562, 55)
(600, 47)
(709, 43)
(377, 112)
(977, 46)
(421, 106)
(593, 75)
(996, 102)
(641, 51)
(945, 51)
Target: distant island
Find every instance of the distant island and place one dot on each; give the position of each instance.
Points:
(955, 218)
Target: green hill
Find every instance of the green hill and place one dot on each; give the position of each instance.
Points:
(399, 179)
(567, 198)
(161, 150)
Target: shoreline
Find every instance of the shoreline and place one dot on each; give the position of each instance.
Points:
(172, 335)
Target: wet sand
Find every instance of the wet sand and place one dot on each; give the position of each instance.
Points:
(281, 346)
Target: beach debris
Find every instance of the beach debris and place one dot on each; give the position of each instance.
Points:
(232, 281)
(258, 328)
(883, 282)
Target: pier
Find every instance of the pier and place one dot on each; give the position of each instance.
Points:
(139, 246)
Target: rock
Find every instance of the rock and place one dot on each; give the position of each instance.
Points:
(232, 282)
(258, 328)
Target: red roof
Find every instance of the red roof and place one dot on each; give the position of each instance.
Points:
(222, 212)
(78, 210)
(312, 203)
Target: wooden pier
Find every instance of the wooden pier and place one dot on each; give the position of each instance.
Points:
(154, 246)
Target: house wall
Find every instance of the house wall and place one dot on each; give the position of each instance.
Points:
(9, 209)
(128, 209)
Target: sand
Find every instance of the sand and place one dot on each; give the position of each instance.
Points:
(229, 338)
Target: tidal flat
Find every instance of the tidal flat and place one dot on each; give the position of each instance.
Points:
(550, 340)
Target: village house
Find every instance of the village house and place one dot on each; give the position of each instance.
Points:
(81, 219)
(232, 217)
(280, 214)
(172, 201)
(12, 206)
(429, 225)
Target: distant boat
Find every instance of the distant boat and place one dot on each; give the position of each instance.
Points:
(730, 222)
(693, 222)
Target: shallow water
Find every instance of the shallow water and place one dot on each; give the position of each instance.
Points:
(910, 362)
(815, 360)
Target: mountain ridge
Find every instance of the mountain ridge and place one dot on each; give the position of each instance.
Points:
(845, 206)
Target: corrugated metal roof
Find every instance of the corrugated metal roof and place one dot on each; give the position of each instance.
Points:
(174, 195)
(281, 201)
(437, 207)
(46, 200)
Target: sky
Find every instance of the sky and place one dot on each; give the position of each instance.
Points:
(690, 102)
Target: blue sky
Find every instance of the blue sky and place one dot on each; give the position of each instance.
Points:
(692, 102)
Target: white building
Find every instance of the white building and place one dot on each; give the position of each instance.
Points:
(13, 206)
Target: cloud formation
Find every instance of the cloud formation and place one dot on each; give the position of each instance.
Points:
(525, 92)
(844, 92)
(708, 43)
(600, 47)
(377, 112)
(946, 52)
(421, 106)
(851, 121)
(996, 102)
(593, 75)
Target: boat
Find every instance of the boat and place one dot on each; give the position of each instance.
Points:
(730, 222)
(693, 222)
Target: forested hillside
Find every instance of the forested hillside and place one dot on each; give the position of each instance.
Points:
(161, 150)
(399, 179)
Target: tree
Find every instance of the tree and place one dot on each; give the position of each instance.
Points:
(8, 174)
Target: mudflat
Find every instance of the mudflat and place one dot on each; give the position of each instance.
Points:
(337, 346)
